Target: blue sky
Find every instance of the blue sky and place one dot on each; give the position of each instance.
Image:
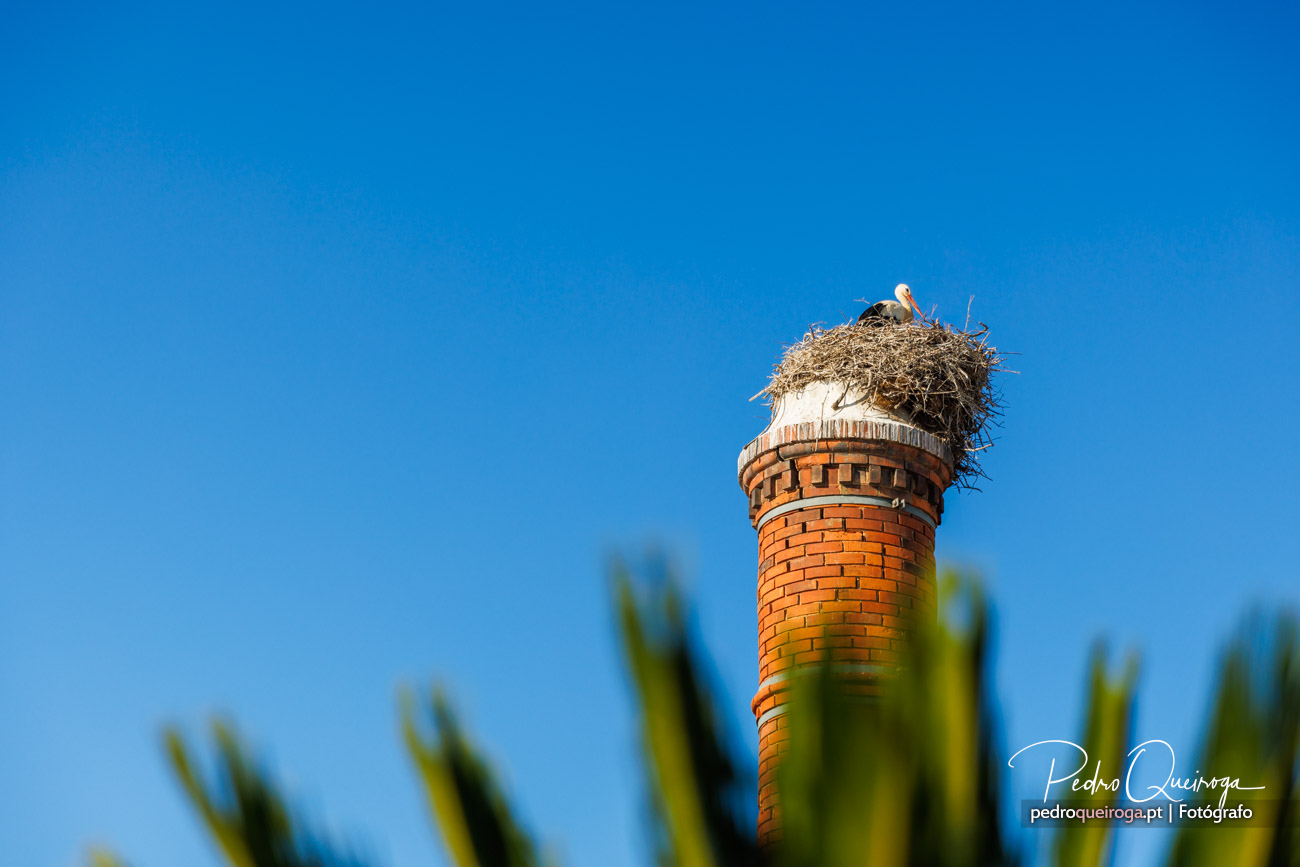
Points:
(339, 347)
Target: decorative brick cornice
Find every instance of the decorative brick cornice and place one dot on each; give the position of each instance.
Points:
(881, 472)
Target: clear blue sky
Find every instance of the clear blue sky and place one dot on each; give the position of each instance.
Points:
(339, 346)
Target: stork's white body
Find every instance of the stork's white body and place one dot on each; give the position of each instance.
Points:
(899, 312)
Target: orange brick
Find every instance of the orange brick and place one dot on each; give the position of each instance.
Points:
(845, 581)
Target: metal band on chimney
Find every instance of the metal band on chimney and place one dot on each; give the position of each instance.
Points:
(841, 500)
(852, 668)
(782, 707)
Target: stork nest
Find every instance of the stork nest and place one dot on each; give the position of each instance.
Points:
(937, 376)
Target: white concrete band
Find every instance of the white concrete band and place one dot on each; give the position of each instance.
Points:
(836, 429)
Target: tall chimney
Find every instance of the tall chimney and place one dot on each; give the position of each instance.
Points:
(845, 497)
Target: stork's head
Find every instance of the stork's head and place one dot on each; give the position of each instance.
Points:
(903, 293)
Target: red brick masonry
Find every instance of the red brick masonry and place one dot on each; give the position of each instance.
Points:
(845, 513)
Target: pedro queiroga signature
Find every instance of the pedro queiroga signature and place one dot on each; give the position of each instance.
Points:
(1150, 772)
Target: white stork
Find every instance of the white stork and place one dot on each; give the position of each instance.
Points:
(898, 312)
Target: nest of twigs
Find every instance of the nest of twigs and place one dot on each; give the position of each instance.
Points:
(936, 376)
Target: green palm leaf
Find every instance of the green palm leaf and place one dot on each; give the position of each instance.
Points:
(477, 825)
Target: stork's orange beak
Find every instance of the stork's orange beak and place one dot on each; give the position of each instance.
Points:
(912, 301)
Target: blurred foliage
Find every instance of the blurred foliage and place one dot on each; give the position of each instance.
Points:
(477, 826)
(243, 810)
(1253, 731)
(104, 858)
(909, 775)
(703, 803)
(1109, 711)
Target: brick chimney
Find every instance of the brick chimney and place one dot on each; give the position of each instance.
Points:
(845, 497)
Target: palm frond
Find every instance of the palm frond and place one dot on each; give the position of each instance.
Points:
(245, 813)
(701, 798)
(1252, 736)
(1109, 718)
(477, 824)
(902, 770)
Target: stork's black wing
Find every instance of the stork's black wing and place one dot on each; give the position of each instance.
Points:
(873, 315)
